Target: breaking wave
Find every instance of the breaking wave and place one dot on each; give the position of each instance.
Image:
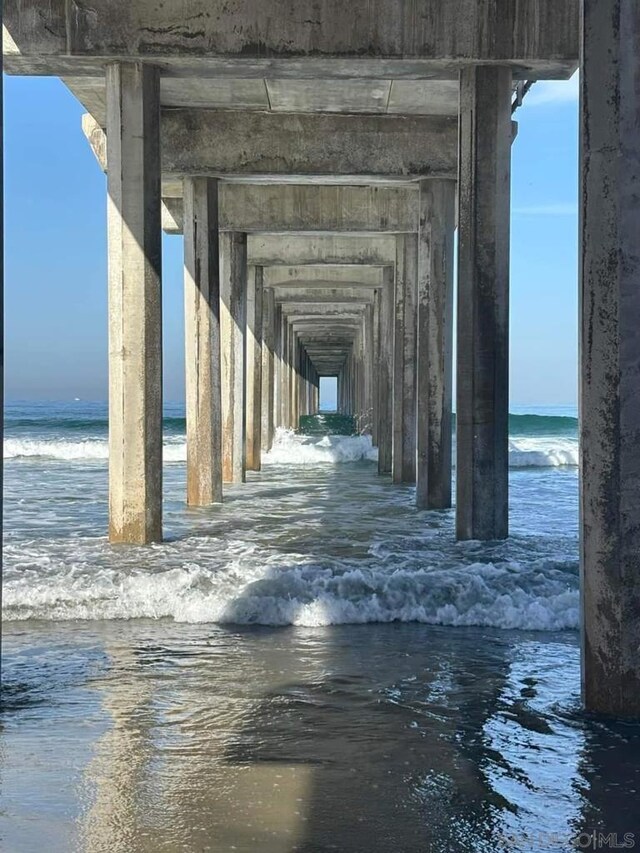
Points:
(538, 596)
(292, 449)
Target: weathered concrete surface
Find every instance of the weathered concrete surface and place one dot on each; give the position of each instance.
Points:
(206, 142)
(483, 304)
(135, 305)
(202, 342)
(254, 34)
(385, 372)
(295, 250)
(404, 361)
(212, 142)
(233, 316)
(435, 344)
(610, 358)
(325, 275)
(254, 368)
(268, 368)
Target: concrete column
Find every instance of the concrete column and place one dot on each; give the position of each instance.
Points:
(610, 357)
(277, 369)
(385, 372)
(233, 317)
(368, 352)
(268, 368)
(254, 367)
(483, 304)
(135, 303)
(375, 420)
(284, 371)
(202, 342)
(404, 360)
(435, 343)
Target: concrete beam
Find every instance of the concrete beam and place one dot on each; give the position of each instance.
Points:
(285, 250)
(325, 275)
(253, 37)
(205, 142)
(314, 295)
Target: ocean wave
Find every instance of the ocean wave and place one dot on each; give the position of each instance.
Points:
(292, 449)
(541, 596)
(88, 450)
(543, 453)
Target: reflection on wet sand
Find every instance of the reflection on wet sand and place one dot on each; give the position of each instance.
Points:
(323, 739)
(377, 738)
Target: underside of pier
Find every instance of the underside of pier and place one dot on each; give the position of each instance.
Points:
(318, 159)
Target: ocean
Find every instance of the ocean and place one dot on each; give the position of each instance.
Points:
(314, 665)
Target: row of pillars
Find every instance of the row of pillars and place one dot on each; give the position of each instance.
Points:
(397, 378)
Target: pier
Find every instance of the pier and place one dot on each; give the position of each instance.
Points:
(318, 159)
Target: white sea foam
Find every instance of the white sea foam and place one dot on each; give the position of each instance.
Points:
(292, 449)
(552, 452)
(87, 450)
(258, 589)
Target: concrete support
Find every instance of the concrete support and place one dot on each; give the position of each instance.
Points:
(368, 352)
(135, 304)
(385, 373)
(268, 369)
(233, 312)
(278, 377)
(202, 342)
(254, 368)
(435, 344)
(483, 304)
(610, 358)
(404, 361)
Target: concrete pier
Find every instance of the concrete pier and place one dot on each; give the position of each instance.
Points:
(404, 361)
(482, 510)
(135, 303)
(202, 342)
(610, 358)
(310, 161)
(233, 315)
(435, 344)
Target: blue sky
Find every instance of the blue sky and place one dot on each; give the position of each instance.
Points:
(56, 325)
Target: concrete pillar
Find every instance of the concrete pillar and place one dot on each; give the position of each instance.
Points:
(233, 317)
(135, 303)
(277, 368)
(610, 357)
(404, 360)
(268, 368)
(375, 420)
(435, 343)
(385, 372)
(202, 342)
(368, 353)
(483, 304)
(254, 367)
